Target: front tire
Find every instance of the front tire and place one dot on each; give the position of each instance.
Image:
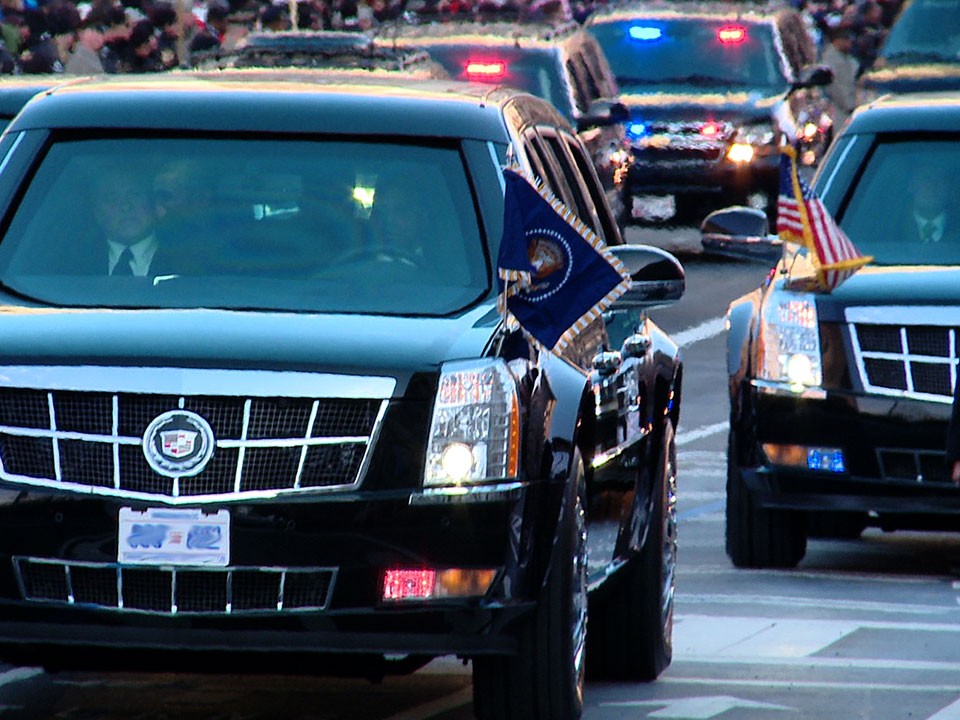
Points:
(758, 537)
(544, 680)
(632, 639)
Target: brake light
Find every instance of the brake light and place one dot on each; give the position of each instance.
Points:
(732, 34)
(486, 70)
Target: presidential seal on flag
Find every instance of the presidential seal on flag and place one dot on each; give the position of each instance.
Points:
(555, 275)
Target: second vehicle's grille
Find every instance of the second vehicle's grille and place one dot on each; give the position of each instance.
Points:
(918, 361)
(174, 590)
(95, 440)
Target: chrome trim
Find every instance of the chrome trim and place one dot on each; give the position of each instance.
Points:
(769, 387)
(902, 317)
(468, 495)
(839, 164)
(12, 150)
(606, 456)
(175, 498)
(197, 381)
(283, 572)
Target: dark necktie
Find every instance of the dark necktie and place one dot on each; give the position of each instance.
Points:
(123, 264)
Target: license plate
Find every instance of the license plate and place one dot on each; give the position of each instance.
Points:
(654, 207)
(173, 536)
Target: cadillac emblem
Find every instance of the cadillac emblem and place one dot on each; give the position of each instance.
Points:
(178, 443)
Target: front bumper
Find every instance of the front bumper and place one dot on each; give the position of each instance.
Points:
(715, 176)
(304, 576)
(893, 454)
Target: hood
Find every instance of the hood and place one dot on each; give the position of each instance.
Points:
(741, 106)
(893, 286)
(904, 78)
(349, 344)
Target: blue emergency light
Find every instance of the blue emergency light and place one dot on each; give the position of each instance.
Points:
(645, 33)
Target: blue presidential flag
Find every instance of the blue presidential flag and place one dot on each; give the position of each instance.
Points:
(555, 275)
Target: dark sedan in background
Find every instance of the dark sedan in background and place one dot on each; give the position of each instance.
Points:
(713, 88)
(259, 411)
(839, 401)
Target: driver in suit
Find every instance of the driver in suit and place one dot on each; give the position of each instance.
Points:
(932, 214)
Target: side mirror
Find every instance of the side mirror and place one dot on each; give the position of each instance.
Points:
(742, 233)
(656, 277)
(602, 113)
(813, 76)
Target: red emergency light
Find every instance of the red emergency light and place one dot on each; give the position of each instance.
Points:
(732, 34)
(710, 129)
(486, 69)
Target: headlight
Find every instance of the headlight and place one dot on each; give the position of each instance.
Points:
(789, 346)
(475, 432)
(750, 140)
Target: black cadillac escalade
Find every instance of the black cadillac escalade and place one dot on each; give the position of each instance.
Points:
(258, 407)
(839, 401)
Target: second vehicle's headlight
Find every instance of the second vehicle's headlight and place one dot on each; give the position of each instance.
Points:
(789, 343)
(475, 432)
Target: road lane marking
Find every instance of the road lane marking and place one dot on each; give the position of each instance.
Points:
(950, 712)
(689, 436)
(805, 684)
(697, 635)
(703, 331)
(820, 603)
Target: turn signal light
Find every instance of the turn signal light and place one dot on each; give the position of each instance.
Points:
(428, 584)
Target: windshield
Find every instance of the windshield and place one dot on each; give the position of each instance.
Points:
(691, 51)
(331, 225)
(534, 71)
(904, 207)
(926, 31)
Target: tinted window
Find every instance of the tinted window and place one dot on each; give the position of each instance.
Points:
(277, 224)
(903, 186)
(691, 51)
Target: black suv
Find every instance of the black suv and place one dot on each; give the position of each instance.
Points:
(558, 62)
(258, 406)
(839, 401)
(713, 89)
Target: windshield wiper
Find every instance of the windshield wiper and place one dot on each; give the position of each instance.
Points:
(693, 79)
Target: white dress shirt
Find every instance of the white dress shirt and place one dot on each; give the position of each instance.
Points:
(142, 251)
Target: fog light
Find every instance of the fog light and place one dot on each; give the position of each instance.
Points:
(457, 461)
(740, 153)
(812, 458)
(427, 584)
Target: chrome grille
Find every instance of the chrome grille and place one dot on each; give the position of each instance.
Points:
(906, 360)
(169, 591)
(93, 441)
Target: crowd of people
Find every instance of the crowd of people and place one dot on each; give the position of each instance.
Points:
(133, 36)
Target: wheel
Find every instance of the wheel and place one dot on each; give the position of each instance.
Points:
(544, 680)
(758, 537)
(631, 632)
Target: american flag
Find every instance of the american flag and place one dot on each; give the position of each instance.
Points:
(802, 218)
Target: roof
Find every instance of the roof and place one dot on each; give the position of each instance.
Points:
(507, 33)
(909, 112)
(282, 99)
(323, 49)
(759, 12)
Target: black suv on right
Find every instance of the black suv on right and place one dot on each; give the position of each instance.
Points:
(839, 401)
(712, 89)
